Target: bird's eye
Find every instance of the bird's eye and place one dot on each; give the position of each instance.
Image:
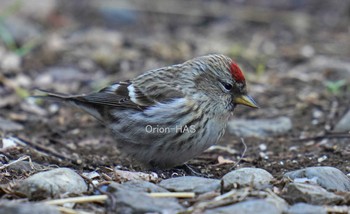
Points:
(227, 86)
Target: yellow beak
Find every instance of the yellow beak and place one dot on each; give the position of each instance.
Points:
(246, 100)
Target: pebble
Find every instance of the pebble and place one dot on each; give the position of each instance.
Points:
(129, 201)
(310, 193)
(260, 127)
(143, 186)
(9, 207)
(190, 184)
(344, 124)
(24, 166)
(10, 62)
(8, 125)
(52, 183)
(260, 206)
(327, 177)
(255, 177)
(302, 208)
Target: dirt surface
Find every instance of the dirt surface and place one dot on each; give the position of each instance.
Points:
(293, 54)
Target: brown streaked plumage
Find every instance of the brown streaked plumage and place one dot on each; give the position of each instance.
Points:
(169, 115)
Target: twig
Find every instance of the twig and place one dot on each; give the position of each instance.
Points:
(82, 199)
(244, 151)
(16, 161)
(102, 198)
(42, 149)
(332, 112)
(172, 194)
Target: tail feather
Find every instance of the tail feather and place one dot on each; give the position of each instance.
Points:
(76, 100)
(55, 95)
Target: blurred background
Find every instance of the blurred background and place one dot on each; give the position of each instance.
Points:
(295, 55)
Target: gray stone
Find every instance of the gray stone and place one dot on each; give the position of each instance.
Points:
(52, 183)
(9, 207)
(190, 184)
(247, 207)
(143, 186)
(310, 193)
(8, 125)
(328, 177)
(302, 208)
(127, 201)
(277, 201)
(344, 124)
(260, 127)
(255, 177)
(25, 166)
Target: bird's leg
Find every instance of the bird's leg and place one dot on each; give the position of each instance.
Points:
(190, 170)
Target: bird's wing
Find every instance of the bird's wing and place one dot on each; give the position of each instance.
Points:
(120, 95)
(128, 95)
(116, 95)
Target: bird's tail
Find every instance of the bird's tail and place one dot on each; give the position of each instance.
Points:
(76, 100)
(44, 94)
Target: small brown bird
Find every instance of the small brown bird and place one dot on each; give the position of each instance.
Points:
(169, 115)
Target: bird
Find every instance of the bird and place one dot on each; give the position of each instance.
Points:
(167, 116)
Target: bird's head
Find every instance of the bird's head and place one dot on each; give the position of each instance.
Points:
(220, 79)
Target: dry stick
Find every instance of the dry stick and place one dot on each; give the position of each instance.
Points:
(244, 151)
(102, 198)
(41, 149)
(333, 111)
(82, 199)
(172, 194)
(16, 161)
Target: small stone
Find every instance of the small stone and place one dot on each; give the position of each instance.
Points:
(52, 183)
(302, 208)
(129, 201)
(8, 142)
(190, 184)
(124, 175)
(260, 127)
(307, 51)
(263, 147)
(344, 124)
(25, 166)
(255, 177)
(8, 125)
(327, 177)
(9, 207)
(10, 62)
(143, 186)
(247, 207)
(322, 158)
(310, 193)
